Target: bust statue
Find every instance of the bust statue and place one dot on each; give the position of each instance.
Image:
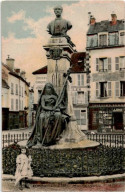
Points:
(59, 26)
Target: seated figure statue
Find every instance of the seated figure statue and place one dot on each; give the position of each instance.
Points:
(51, 118)
(59, 26)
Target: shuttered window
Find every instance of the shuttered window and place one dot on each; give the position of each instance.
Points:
(12, 89)
(122, 38)
(16, 104)
(16, 89)
(80, 79)
(109, 63)
(117, 63)
(117, 89)
(122, 62)
(109, 89)
(113, 39)
(97, 89)
(102, 40)
(97, 64)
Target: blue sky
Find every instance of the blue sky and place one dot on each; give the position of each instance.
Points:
(35, 10)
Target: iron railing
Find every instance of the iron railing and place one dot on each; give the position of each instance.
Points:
(115, 140)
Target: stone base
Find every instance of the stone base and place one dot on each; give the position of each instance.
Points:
(67, 145)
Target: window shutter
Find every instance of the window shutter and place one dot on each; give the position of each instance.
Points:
(117, 63)
(97, 64)
(82, 80)
(109, 63)
(78, 79)
(97, 89)
(109, 89)
(117, 89)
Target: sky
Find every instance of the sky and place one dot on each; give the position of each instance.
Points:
(24, 26)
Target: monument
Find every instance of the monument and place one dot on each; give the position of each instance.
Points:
(56, 125)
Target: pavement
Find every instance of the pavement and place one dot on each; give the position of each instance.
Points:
(112, 183)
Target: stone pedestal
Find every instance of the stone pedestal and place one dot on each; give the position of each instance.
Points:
(58, 52)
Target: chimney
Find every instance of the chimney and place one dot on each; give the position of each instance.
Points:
(17, 70)
(92, 20)
(114, 18)
(10, 62)
(22, 74)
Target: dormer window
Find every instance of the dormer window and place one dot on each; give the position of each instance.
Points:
(122, 38)
(103, 39)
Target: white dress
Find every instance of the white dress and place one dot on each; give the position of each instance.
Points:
(23, 168)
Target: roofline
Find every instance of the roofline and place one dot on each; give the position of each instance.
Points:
(35, 72)
(19, 77)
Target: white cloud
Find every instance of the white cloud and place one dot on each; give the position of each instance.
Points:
(17, 16)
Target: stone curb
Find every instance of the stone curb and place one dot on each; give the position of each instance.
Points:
(92, 179)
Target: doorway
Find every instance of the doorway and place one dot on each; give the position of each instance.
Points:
(118, 120)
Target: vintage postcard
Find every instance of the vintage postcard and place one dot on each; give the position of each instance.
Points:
(63, 96)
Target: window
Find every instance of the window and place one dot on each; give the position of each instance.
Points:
(12, 89)
(117, 63)
(75, 97)
(92, 41)
(122, 90)
(122, 62)
(80, 99)
(22, 91)
(103, 89)
(83, 117)
(113, 39)
(16, 89)
(12, 104)
(122, 38)
(20, 104)
(97, 89)
(103, 64)
(80, 116)
(117, 89)
(109, 89)
(19, 90)
(80, 80)
(16, 104)
(103, 40)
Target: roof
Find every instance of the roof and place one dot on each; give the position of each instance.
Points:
(11, 72)
(42, 70)
(106, 26)
(77, 62)
(4, 84)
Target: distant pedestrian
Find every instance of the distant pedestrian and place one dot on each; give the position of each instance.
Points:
(23, 169)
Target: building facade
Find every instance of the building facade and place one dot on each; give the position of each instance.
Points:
(14, 97)
(106, 51)
(80, 89)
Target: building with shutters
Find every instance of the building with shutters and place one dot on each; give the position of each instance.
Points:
(106, 51)
(79, 86)
(15, 97)
(80, 89)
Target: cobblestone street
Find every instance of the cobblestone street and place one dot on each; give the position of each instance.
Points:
(8, 186)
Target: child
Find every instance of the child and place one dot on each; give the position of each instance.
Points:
(23, 169)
